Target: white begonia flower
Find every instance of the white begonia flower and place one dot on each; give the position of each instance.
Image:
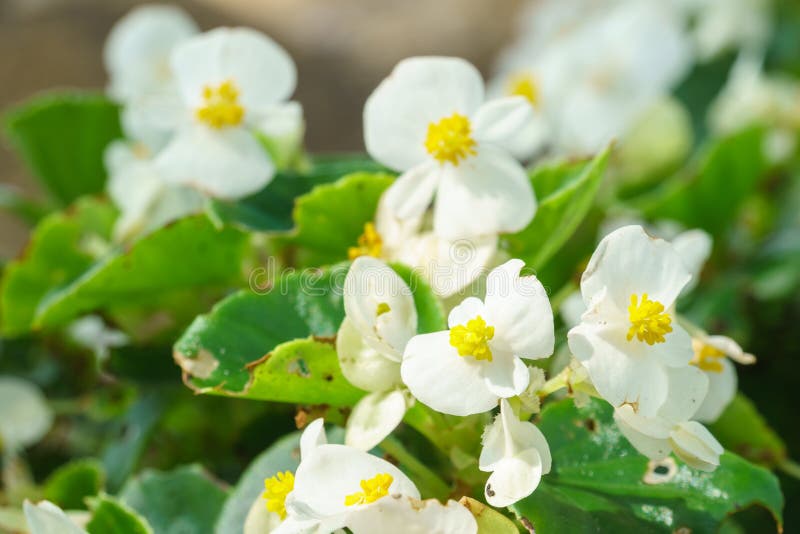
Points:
(517, 455)
(720, 25)
(136, 187)
(628, 338)
(47, 518)
(712, 355)
(671, 429)
(25, 416)
(467, 369)
(92, 333)
(428, 120)
(380, 318)
(396, 514)
(231, 82)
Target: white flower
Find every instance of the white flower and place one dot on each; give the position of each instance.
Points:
(712, 355)
(231, 81)
(466, 369)
(137, 188)
(396, 514)
(380, 318)
(428, 119)
(671, 428)
(47, 518)
(628, 338)
(92, 333)
(723, 24)
(517, 455)
(25, 416)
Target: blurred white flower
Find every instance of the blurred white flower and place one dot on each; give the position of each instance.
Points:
(466, 369)
(721, 25)
(428, 120)
(628, 338)
(380, 318)
(47, 518)
(517, 455)
(232, 82)
(25, 416)
(671, 428)
(92, 333)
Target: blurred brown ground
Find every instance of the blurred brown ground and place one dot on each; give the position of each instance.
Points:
(343, 48)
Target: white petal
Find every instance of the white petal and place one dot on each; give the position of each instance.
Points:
(227, 163)
(470, 308)
(506, 375)
(694, 248)
(312, 437)
(721, 391)
(152, 118)
(687, 389)
(260, 69)
(572, 308)
(648, 435)
(133, 182)
(412, 193)
(260, 520)
(361, 364)
(676, 349)
(505, 123)
(731, 349)
(25, 416)
(489, 193)
(402, 515)
(47, 518)
(520, 311)
(418, 92)
(374, 417)
(437, 376)
(507, 436)
(630, 262)
(695, 445)
(335, 471)
(136, 53)
(514, 479)
(370, 287)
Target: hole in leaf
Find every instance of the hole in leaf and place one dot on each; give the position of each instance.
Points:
(660, 471)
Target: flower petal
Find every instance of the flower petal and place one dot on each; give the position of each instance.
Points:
(412, 193)
(507, 436)
(259, 519)
(469, 308)
(731, 349)
(47, 518)
(694, 444)
(514, 479)
(403, 515)
(687, 389)
(312, 437)
(648, 435)
(520, 311)
(418, 92)
(489, 193)
(227, 164)
(437, 376)
(361, 364)
(506, 123)
(721, 391)
(694, 248)
(506, 375)
(25, 415)
(374, 417)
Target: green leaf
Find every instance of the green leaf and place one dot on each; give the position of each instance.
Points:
(110, 516)
(70, 484)
(62, 138)
(743, 430)
(57, 253)
(270, 210)
(597, 482)
(189, 253)
(182, 500)
(279, 345)
(711, 195)
(565, 192)
(489, 520)
(331, 217)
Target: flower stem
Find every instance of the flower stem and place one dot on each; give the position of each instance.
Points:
(430, 484)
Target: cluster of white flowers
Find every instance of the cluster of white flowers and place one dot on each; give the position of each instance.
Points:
(199, 113)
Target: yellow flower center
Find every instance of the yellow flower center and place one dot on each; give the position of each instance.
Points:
(473, 339)
(221, 106)
(524, 85)
(383, 307)
(369, 243)
(277, 488)
(706, 357)
(649, 323)
(450, 139)
(371, 490)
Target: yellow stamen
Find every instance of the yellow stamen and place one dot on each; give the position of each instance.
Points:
(383, 307)
(277, 488)
(473, 339)
(649, 323)
(221, 107)
(706, 357)
(369, 243)
(450, 139)
(524, 85)
(372, 490)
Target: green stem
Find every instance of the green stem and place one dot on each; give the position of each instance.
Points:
(429, 483)
(430, 424)
(790, 468)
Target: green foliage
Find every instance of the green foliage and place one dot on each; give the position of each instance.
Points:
(565, 192)
(110, 516)
(62, 138)
(182, 500)
(743, 430)
(598, 482)
(489, 520)
(331, 217)
(72, 483)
